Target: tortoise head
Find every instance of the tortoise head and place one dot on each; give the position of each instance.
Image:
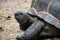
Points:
(23, 19)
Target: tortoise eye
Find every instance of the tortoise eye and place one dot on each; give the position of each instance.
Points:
(20, 13)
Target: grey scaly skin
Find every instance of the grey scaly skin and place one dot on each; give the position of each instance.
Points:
(36, 26)
(32, 30)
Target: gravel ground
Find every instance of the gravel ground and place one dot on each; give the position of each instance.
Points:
(11, 27)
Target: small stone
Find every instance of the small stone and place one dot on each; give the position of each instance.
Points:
(1, 29)
(9, 18)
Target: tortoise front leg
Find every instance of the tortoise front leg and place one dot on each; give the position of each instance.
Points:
(31, 31)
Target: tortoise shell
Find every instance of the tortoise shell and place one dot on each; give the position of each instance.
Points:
(46, 16)
(50, 6)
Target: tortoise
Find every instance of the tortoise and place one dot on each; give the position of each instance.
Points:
(34, 25)
(46, 17)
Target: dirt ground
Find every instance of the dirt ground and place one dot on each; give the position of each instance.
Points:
(11, 27)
